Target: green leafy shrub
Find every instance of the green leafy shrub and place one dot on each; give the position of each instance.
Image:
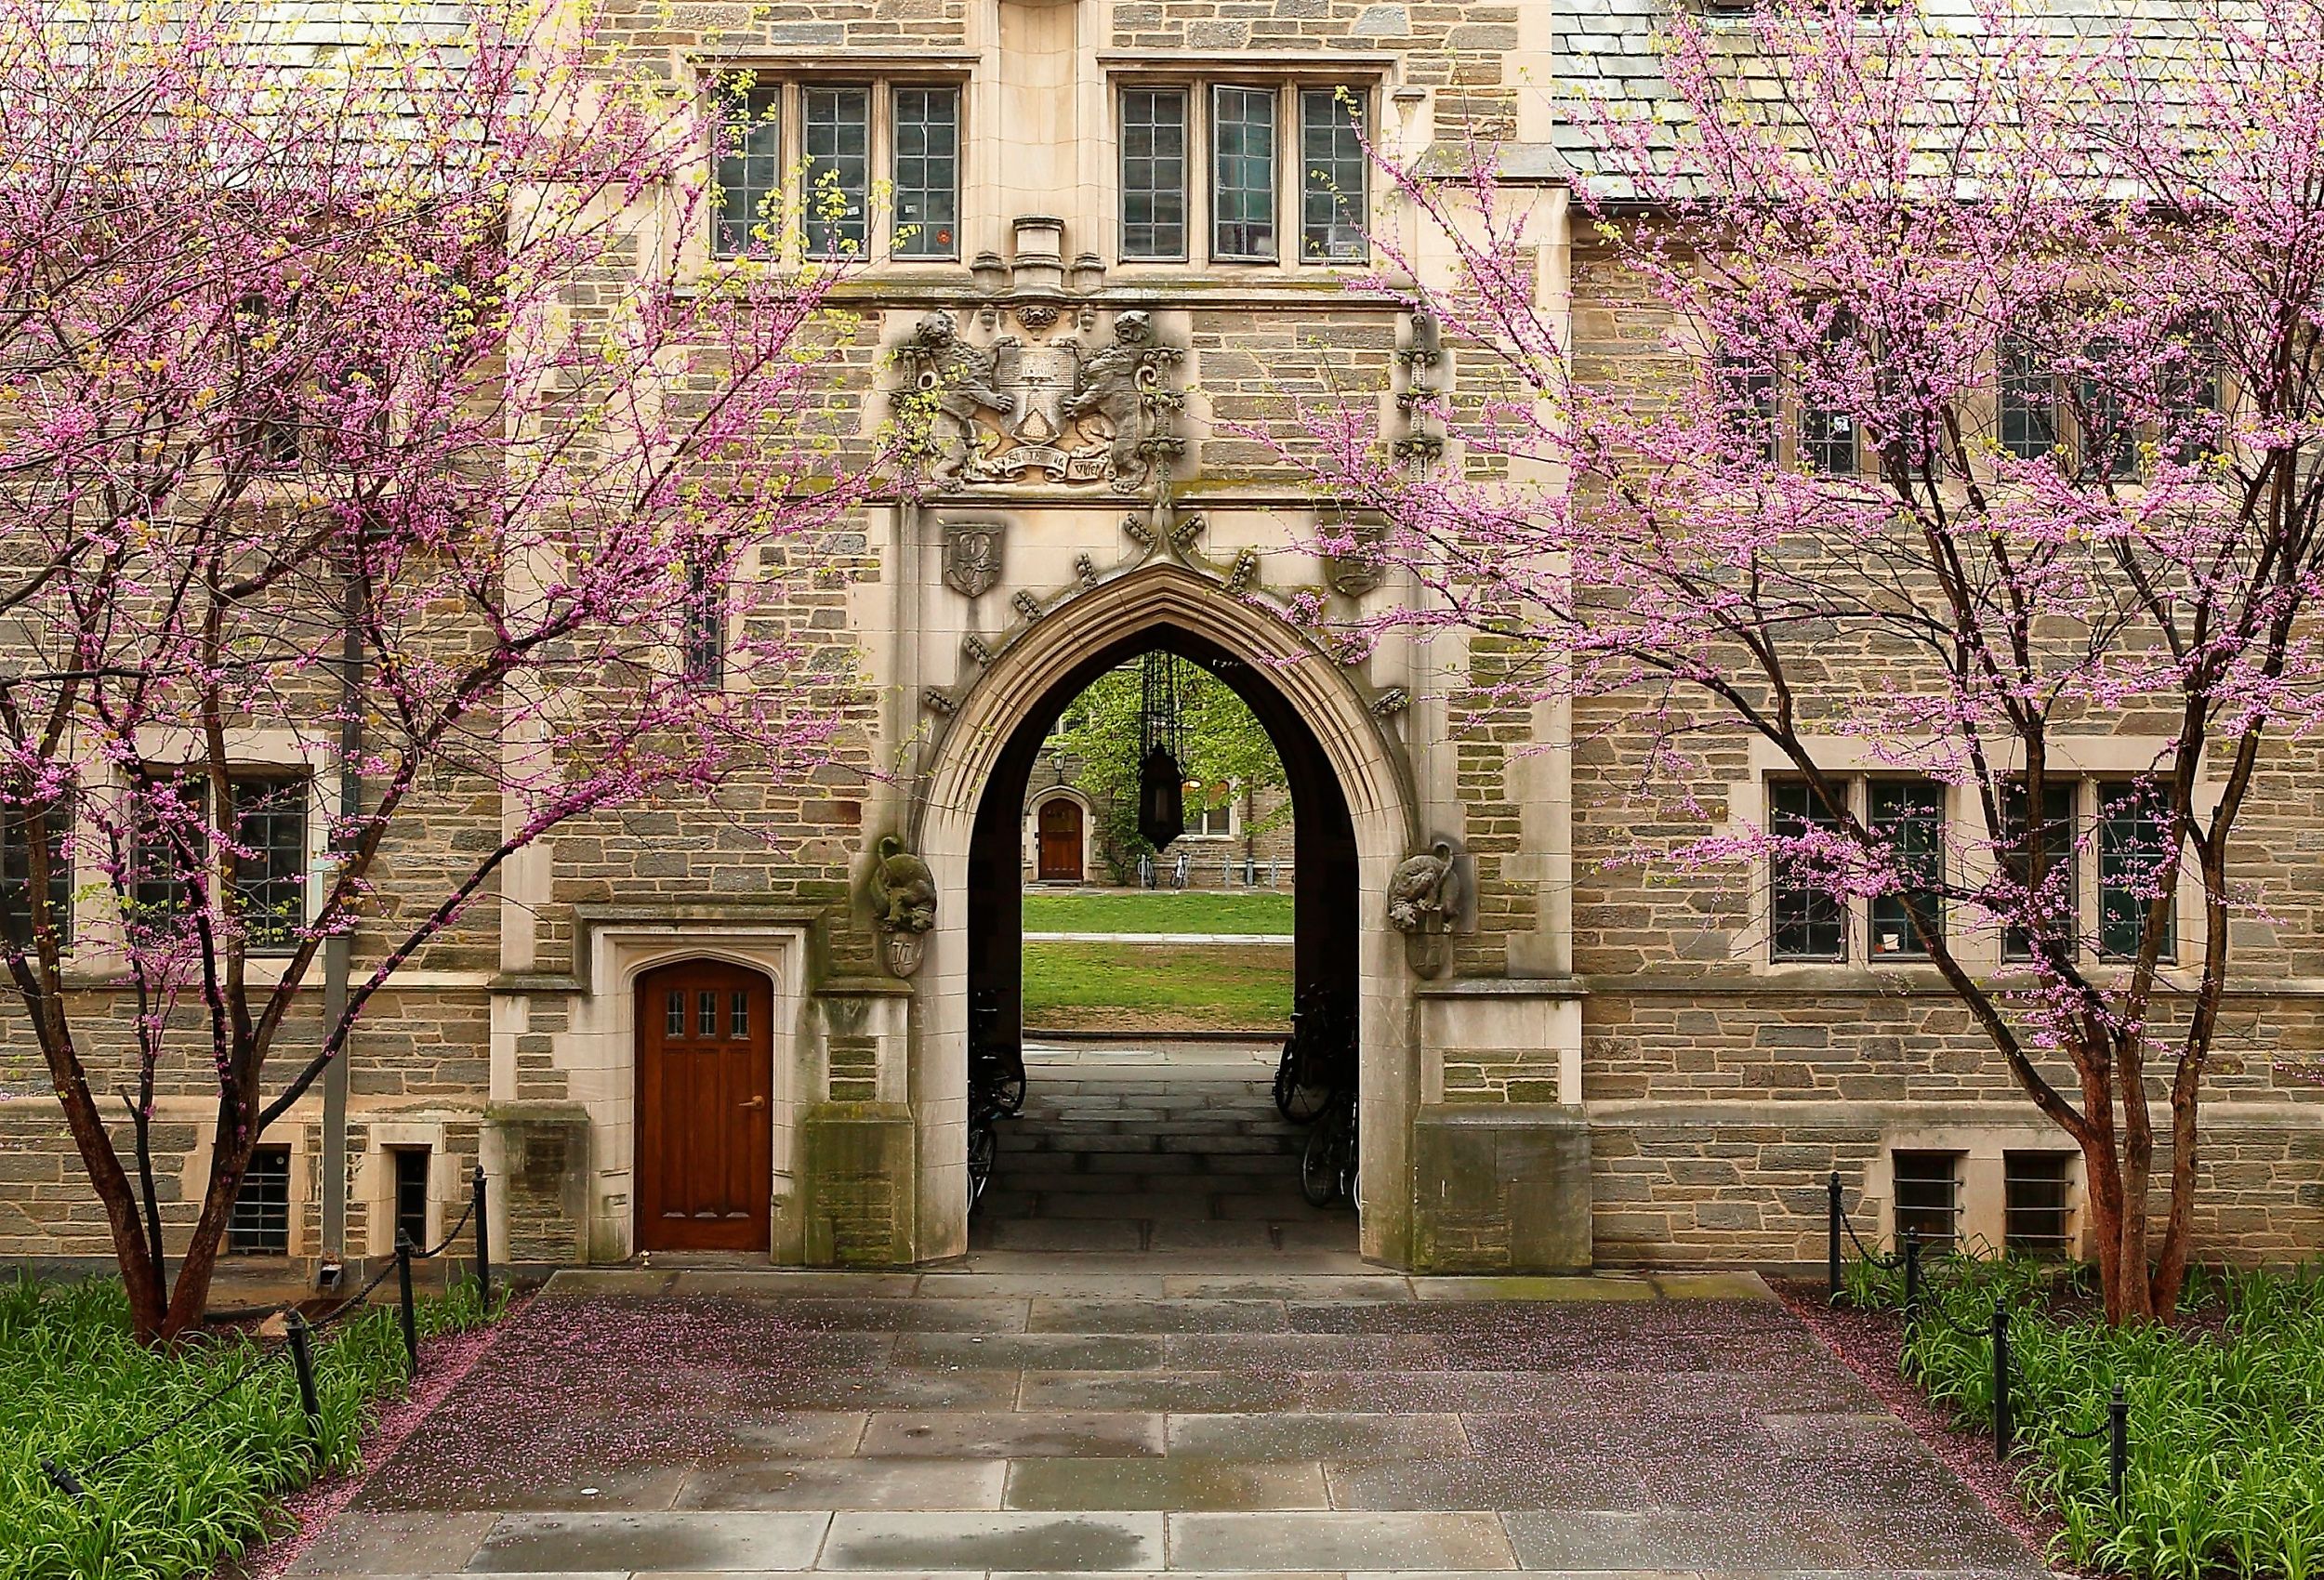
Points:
(76, 1386)
(2226, 1412)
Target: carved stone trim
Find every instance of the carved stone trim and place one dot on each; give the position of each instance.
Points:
(972, 648)
(1028, 606)
(972, 554)
(1244, 571)
(1086, 569)
(935, 699)
(1395, 699)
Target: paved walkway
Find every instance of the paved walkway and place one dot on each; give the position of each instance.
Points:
(1152, 1395)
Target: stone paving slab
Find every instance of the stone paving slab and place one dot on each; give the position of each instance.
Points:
(1079, 1542)
(1340, 1541)
(528, 1543)
(1165, 1484)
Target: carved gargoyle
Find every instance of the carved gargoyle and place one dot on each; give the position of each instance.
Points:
(1423, 889)
(903, 906)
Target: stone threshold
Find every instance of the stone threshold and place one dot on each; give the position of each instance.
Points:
(1216, 1283)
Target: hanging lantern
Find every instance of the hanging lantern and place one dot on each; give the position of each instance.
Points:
(1161, 781)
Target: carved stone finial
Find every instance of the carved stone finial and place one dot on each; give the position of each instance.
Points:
(1086, 569)
(903, 895)
(937, 700)
(1029, 606)
(973, 648)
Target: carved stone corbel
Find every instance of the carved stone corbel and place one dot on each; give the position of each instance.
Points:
(903, 895)
(1428, 900)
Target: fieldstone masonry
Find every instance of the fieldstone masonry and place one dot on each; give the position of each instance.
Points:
(1605, 1073)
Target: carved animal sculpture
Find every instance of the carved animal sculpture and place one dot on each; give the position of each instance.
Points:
(904, 889)
(1418, 889)
(963, 382)
(1110, 390)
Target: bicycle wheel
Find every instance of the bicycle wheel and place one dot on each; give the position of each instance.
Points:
(1286, 1080)
(1319, 1165)
(983, 1146)
(1351, 1157)
(1306, 1104)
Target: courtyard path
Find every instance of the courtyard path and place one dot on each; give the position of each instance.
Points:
(1185, 1376)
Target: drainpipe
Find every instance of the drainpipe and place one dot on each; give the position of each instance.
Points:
(338, 949)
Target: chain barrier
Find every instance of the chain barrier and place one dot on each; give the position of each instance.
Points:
(298, 1343)
(2115, 1427)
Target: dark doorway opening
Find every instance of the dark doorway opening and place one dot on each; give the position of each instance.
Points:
(1197, 1133)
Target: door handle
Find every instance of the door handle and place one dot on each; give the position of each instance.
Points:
(755, 1102)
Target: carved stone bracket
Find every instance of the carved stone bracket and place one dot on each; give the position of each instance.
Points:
(935, 699)
(1085, 569)
(1422, 354)
(1392, 701)
(1240, 576)
(1028, 606)
(973, 648)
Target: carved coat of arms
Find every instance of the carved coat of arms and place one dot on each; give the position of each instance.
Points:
(1017, 412)
(972, 556)
(1355, 569)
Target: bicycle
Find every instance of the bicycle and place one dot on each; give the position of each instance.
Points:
(995, 1065)
(1313, 1060)
(1328, 1163)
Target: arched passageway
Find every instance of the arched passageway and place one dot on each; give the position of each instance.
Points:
(1352, 805)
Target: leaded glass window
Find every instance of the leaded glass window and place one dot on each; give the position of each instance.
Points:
(1332, 175)
(1746, 389)
(703, 642)
(2028, 408)
(16, 872)
(1243, 172)
(2134, 852)
(270, 863)
(750, 170)
(1154, 172)
(835, 136)
(927, 172)
(1908, 815)
(1808, 921)
(2051, 901)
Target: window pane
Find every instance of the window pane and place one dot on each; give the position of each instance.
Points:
(706, 1022)
(2133, 852)
(1332, 173)
(750, 170)
(411, 1194)
(2109, 447)
(837, 130)
(674, 1014)
(1928, 1197)
(16, 871)
(1909, 815)
(738, 1023)
(2036, 1195)
(1806, 920)
(172, 839)
(1243, 172)
(703, 643)
(270, 861)
(260, 1224)
(2028, 401)
(1747, 397)
(2051, 902)
(2191, 396)
(1828, 435)
(927, 172)
(1154, 172)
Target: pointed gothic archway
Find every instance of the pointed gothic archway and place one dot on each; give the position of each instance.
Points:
(968, 827)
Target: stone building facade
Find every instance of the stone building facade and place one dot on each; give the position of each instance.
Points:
(1128, 225)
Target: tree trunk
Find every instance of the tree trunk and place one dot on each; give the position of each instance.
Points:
(190, 1297)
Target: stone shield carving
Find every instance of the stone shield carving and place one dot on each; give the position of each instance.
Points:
(1356, 569)
(972, 556)
(1023, 411)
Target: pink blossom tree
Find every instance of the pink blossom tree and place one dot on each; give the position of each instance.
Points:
(368, 410)
(1979, 442)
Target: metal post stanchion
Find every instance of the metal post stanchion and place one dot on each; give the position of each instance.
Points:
(1831, 1238)
(2001, 1430)
(483, 1245)
(2118, 1449)
(403, 1300)
(303, 1362)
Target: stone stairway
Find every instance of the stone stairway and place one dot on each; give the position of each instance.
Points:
(1151, 1150)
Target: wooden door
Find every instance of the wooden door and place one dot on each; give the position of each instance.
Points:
(1061, 841)
(706, 1120)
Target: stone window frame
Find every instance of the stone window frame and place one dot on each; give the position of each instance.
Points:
(1981, 1154)
(881, 79)
(1364, 80)
(2088, 762)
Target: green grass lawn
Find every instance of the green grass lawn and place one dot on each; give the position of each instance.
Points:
(1139, 910)
(1147, 987)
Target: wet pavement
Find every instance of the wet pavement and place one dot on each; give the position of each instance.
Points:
(1265, 1412)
